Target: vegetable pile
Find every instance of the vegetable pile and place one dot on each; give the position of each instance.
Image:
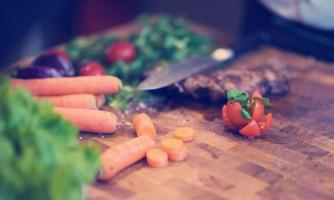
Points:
(40, 156)
(245, 113)
(160, 41)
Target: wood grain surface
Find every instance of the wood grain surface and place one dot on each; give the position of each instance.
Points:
(294, 160)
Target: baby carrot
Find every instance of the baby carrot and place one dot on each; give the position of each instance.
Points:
(185, 133)
(101, 99)
(157, 157)
(179, 155)
(171, 145)
(143, 125)
(70, 85)
(88, 101)
(88, 120)
(124, 154)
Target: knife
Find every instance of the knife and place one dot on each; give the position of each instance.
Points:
(218, 58)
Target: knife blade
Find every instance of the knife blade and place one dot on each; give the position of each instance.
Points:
(190, 66)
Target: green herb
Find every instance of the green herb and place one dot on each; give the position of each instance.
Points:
(40, 156)
(240, 96)
(245, 114)
(160, 41)
(243, 98)
(266, 101)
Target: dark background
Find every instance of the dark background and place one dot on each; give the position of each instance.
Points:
(29, 26)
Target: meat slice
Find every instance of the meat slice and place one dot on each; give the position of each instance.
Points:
(270, 78)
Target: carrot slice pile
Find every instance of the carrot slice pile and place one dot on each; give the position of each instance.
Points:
(157, 158)
(186, 134)
(171, 145)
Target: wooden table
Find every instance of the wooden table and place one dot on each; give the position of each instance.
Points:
(294, 160)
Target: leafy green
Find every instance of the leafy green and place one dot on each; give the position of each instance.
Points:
(40, 156)
(238, 95)
(160, 41)
(243, 98)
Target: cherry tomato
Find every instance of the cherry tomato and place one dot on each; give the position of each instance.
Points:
(92, 69)
(251, 129)
(61, 54)
(265, 123)
(226, 120)
(120, 51)
(233, 112)
(258, 110)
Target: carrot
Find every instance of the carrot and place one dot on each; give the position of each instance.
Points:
(179, 155)
(70, 85)
(100, 100)
(171, 145)
(185, 133)
(143, 125)
(157, 157)
(94, 121)
(88, 101)
(124, 154)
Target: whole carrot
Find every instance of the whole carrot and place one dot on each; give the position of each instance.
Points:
(70, 85)
(88, 120)
(143, 125)
(87, 101)
(124, 154)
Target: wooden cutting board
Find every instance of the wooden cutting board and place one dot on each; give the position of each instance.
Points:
(294, 160)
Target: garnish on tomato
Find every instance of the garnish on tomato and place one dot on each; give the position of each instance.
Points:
(245, 113)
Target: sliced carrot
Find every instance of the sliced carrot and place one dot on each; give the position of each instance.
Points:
(70, 85)
(157, 157)
(185, 133)
(171, 145)
(87, 101)
(179, 155)
(143, 125)
(123, 155)
(94, 121)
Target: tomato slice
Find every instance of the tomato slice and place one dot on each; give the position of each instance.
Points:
(233, 111)
(251, 129)
(226, 120)
(265, 123)
(258, 110)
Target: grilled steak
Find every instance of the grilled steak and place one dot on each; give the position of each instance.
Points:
(270, 78)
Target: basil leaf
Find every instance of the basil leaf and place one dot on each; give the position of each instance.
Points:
(245, 114)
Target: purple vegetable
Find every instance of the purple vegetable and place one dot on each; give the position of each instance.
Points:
(37, 72)
(64, 67)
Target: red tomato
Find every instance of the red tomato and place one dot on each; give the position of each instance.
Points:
(233, 112)
(92, 69)
(265, 123)
(226, 120)
(61, 54)
(258, 110)
(120, 51)
(251, 129)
